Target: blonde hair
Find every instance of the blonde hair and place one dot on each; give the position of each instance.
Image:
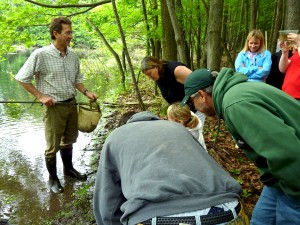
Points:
(257, 34)
(182, 113)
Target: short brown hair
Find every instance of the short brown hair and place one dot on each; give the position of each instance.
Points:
(56, 25)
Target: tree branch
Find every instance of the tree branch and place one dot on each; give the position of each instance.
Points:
(69, 5)
(82, 12)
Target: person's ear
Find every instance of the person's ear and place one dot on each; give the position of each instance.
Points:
(55, 33)
(202, 95)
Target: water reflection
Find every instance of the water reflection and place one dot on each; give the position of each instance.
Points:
(23, 194)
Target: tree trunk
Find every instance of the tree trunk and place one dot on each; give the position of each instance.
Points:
(113, 52)
(292, 15)
(142, 106)
(214, 29)
(150, 42)
(276, 25)
(246, 10)
(178, 32)
(253, 14)
(169, 50)
(157, 41)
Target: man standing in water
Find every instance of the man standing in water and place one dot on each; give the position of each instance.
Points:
(56, 71)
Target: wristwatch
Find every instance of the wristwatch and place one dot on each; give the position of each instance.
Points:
(85, 91)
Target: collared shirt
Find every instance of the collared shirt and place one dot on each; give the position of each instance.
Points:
(54, 74)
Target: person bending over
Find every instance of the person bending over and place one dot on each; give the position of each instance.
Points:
(154, 171)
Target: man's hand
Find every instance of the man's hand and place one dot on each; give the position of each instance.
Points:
(294, 38)
(284, 45)
(47, 100)
(91, 95)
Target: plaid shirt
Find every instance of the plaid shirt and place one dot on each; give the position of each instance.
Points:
(55, 75)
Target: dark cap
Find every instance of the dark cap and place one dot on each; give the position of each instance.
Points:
(197, 80)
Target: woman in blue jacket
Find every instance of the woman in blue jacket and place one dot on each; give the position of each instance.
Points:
(254, 60)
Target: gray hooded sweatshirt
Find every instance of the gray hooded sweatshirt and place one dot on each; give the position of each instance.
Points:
(151, 167)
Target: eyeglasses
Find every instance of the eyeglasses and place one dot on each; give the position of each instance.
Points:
(192, 97)
(191, 101)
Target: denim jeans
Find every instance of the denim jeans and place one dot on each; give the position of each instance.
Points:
(275, 208)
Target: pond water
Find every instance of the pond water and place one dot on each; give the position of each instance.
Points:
(23, 195)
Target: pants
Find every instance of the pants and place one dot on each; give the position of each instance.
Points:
(275, 208)
(61, 129)
(240, 219)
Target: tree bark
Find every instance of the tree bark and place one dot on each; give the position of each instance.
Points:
(113, 52)
(253, 14)
(125, 49)
(214, 29)
(178, 32)
(292, 15)
(169, 50)
(276, 25)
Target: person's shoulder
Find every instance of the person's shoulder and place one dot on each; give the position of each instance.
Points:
(71, 50)
(277, 53)
(37, 52)
(175, 63)
(267, 52)
(42, 49)
(241, 54)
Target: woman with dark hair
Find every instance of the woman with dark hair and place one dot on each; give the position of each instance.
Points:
(170, 77)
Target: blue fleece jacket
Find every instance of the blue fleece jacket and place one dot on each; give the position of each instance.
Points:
(250, 66)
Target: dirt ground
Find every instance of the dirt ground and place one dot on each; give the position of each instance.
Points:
(234, 161)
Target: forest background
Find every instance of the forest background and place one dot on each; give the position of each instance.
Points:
(199, 33)
(112, 36)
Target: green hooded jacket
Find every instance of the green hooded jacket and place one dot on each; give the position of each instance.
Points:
(265, 123)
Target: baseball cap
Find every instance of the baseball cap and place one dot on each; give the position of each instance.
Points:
(197, 80)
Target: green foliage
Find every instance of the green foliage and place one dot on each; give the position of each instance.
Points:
(13, 110)
(235, 171)
(82, 195)
(240, 181)
(246, 193)
(241, 159)
(99, 71)
(9, 200)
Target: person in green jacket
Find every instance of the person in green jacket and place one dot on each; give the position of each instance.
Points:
(264, 121)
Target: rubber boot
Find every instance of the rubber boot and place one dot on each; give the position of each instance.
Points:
(66, 156)
(53, 183)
